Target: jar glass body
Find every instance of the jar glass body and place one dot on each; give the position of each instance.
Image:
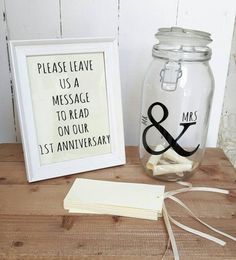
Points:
(176, 103)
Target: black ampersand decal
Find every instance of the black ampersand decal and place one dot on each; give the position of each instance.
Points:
(172, 142)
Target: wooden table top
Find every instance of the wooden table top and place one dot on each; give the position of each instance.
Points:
(34, 225)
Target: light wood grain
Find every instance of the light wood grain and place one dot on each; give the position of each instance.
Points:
(34, 225)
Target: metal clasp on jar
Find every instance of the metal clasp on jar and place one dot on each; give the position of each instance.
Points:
(170, 75)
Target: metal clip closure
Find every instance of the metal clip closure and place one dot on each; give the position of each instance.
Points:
(170, 75)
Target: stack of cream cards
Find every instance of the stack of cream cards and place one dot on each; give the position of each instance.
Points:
(115, 198)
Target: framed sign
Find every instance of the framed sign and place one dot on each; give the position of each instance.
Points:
(69, 105)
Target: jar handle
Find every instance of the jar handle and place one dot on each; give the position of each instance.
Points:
(170, 75)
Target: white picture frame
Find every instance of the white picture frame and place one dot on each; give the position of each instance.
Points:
(95, 62)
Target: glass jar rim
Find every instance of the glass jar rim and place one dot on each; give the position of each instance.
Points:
(180, 53)
(182, 44)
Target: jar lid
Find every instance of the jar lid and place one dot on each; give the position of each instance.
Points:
(182, 44)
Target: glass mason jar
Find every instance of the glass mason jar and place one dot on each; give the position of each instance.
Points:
(176, 101)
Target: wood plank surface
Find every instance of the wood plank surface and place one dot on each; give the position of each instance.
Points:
(34, 225)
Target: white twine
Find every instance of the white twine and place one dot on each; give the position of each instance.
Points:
(168, 219)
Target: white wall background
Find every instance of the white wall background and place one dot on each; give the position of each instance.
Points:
(134, 23)
(227, 132)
